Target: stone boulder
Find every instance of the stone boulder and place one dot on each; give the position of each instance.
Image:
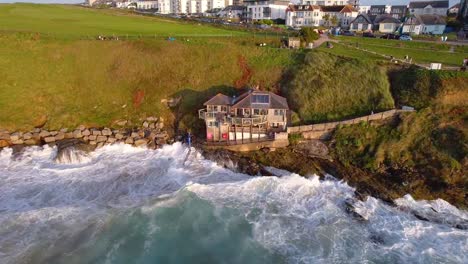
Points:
(4, 143)
(77, 134)
(86, 132)
(106, 132)
(101, 139)
(49, 139)
(141, 142)
(59, 136)
(44, 133)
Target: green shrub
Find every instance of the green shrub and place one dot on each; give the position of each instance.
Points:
(328, 87)
(420, 88)
(308, 34)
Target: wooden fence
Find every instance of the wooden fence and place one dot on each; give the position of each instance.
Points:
(333, 125)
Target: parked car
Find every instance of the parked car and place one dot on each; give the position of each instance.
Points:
(390, 36)
(368, 35)
(406, 37)
(348, 33)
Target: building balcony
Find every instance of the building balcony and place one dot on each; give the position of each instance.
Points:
(238, 121)
(247, 121)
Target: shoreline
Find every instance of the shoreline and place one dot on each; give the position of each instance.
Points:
(299, 158)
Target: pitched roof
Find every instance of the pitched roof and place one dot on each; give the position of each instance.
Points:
(396, 7)
(302, 8)
(275, 102)
(365, 16)
(233, 7)
(386, 19)
(219, 99)
(434, 4)
(336, 8)
(425, 20)
(432, 20)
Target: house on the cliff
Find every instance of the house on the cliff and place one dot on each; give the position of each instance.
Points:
(251, 117)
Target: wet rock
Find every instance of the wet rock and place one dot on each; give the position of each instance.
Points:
(92, 137)
(4, 136)
(134, 135)
(49, 139)
(351, 209)
(27, 135)
(141, 142)
(44, 133)
(111, 140)
(129, 141)
(77, 134)
(17, 142)
(59, 136)
(31, 142)
(86, 132)
(101, 139)
(106, 132)
(312, 148)
(92, 142)
(119, 136)
(4, 143)
(72, 150)
(69, 135)
(15, 136)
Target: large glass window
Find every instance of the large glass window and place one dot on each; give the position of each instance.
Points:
(260, 99)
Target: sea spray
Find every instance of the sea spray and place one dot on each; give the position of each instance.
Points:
(133, 205)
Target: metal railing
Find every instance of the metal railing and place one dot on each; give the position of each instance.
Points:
(240, 121)
(246, 121)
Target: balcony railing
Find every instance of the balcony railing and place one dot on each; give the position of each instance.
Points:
(239, 121)
(246, 121)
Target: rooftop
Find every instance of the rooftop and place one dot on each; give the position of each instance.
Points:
(434, 4)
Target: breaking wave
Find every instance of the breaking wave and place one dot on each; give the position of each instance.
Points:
(121, 204)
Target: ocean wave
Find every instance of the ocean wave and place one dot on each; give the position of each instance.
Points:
(132, 205)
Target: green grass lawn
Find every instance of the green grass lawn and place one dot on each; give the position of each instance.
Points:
(66, 21)
(94, 82)
(342, 50)
(421, 52)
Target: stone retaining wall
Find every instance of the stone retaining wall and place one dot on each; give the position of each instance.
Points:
(333, 125)
(150, 134)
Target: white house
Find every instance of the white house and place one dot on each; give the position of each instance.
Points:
(364, 9)
(164, 6)
(387, 24)
(232, 11)
(329, 2)
(303, 16)
(271, 9)
(146, 5)
(361, 23)
(313, 15)
(424, 24)
(429, 8)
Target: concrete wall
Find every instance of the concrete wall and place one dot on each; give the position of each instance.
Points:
(333, 125)
(281, 143)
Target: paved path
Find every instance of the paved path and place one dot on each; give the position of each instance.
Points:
(323, 38)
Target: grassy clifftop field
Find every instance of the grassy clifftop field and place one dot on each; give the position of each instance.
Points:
(65, 21)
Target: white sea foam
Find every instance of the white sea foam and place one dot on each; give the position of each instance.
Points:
(43, 202)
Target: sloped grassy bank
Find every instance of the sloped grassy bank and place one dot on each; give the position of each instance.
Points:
(422, 153)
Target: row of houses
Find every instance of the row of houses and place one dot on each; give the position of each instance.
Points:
(418, 17)
(415, 24)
